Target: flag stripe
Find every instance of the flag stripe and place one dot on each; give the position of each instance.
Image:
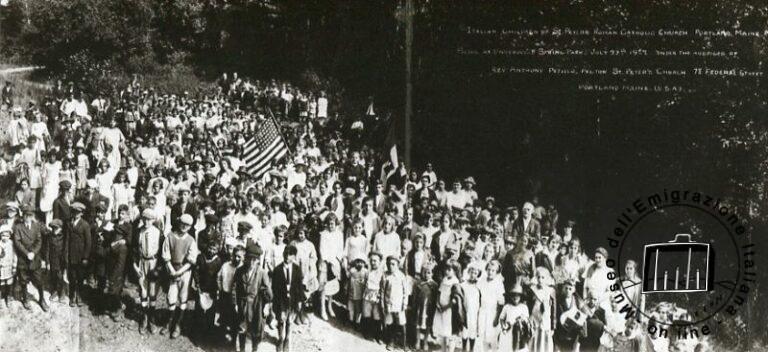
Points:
(270, 165)
(255, 156)
(268, 157)
(263, 149)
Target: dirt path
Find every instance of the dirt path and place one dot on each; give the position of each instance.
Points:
(77, 329)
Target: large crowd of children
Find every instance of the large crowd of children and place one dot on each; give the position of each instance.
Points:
(141, 188)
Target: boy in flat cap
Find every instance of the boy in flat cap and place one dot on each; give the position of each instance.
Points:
(57, 259)
(180, 254)
(78, 252)
(148, 248)
(252, 292)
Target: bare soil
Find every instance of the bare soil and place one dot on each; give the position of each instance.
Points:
(77, 329)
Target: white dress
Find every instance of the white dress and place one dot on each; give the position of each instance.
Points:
(121, 194)
(541, 319)
(492, 296)
(50, 185)
(472, 306)
(510, 314)
(18, 132)
(32, 157)
(441, 324)
(39, 130)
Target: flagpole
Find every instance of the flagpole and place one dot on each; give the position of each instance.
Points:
(409, 12)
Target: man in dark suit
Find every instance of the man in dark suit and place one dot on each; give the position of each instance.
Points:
(184, 206)
(526, 224)
(424, 192)
(288, 292)
(252, 291)
(28, 239)
(78, 248)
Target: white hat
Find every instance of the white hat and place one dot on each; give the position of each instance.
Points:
(148, 214)
(186, 219)
(6, 228)
(92, 183)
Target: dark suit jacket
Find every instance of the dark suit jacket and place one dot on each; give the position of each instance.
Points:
(566, 338)
(419, 194)
(284, 298)
(176, 213)
(79, 242)
(533, 230)
(28, 240)
(251, 295)
(62, 210)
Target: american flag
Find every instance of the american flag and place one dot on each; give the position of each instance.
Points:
(266, 147)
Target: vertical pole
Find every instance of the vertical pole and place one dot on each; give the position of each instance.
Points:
(677, 277)
(688, 272)
(697, 279)
(656, 272)
(408, 85)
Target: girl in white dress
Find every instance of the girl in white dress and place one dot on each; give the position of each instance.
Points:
(159, 185)
(50, 175)
(513, 321)
(442, 326)
(472, 295)
(132, 172)
(575, 262)
(32, 157)
(542, 312)
(105, 178)
(492, 288)
(306, 257)
(122, 193)
(39, 129)
(83, 165)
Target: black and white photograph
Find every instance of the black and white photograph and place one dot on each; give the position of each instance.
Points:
(383, 175)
